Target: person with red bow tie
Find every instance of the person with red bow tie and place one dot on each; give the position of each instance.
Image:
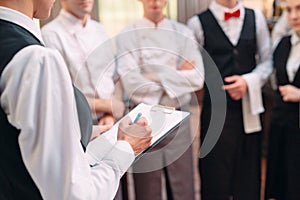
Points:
(239, 43)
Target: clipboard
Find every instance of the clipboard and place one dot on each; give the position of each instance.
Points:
(162, 120)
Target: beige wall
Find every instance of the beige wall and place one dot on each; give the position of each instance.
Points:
(264, 5)
(188, 8)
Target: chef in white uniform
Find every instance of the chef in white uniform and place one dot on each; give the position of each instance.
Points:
(160, 63)
(88, 52)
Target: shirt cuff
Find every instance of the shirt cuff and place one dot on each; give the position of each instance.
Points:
(121, 156)
(98, 148)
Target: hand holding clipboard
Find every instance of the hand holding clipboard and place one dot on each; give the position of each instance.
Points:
(162, 120)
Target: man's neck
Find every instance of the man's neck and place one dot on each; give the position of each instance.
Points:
(83, 19)
(155, 19)
(24, 7)
(227, 3)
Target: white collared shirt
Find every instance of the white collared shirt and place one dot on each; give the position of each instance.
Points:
(37, 96)
(87, 51)
(293, 62)
(232, 27)
(145, 47)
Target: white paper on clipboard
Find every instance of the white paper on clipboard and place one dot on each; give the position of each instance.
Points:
(162, 120)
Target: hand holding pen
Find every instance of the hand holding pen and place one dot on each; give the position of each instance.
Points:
(136, 133)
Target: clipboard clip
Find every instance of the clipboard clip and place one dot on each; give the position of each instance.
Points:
(163, 109)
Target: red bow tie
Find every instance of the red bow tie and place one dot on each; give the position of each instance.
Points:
(228, 15)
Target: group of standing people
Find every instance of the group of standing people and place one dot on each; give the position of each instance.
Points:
(148, 62)
(49, 124)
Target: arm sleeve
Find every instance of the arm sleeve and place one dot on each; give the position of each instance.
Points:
(38, 99)
(136, 86)
(101, 67)
(195, 25)
(264, 51)
(252, 101)
(183, 82)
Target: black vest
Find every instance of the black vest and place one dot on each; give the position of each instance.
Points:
(290, 111)
(230, 59)
(15, 181)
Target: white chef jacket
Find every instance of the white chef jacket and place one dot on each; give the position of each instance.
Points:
(87, 51)
(37, 96)
(252, 101)
(144, 47)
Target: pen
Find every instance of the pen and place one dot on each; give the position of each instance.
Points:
(137, 118)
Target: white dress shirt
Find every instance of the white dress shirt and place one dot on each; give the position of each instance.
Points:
(146, 48)
(293, 62)
(87, 51)
(252, 101)
(37, 96)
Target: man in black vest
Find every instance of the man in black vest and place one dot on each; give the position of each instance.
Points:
(45, 121)
(238, 41)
